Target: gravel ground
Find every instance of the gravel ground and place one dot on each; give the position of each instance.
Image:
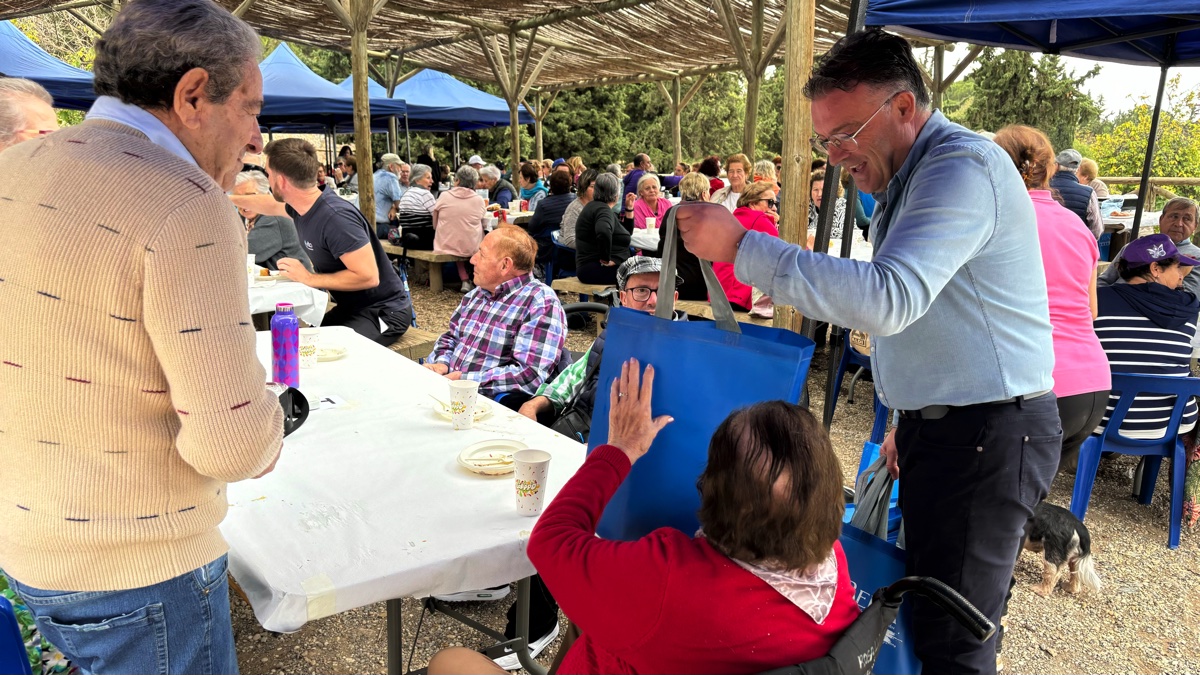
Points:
(1146, 619)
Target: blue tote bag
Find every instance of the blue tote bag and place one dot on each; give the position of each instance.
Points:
(703, 371)
(875, 563)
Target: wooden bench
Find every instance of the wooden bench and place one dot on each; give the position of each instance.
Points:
(574, 285)
(428, 259)
(415, 343)
(704, 310)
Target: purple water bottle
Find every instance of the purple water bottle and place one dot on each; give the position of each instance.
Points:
(285, 345)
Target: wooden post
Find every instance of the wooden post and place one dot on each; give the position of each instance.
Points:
(537, 126)
(750, 130)
(939, 86)
(676, 131)
(800, 16)
(360, 13)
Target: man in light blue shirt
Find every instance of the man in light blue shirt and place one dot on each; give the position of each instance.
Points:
(955, 301)
(387, 193)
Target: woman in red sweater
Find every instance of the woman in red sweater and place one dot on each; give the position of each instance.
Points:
(758, 211)
(763, 585)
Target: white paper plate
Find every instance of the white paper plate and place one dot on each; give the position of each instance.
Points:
(330, 353)
(475, 457)
(483, 410)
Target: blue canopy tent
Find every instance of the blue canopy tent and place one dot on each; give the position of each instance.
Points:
(294, 96)
(439, 102)
(1163, 33)
(71, 87)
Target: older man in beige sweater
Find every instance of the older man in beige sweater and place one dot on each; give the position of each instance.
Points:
(131, 390)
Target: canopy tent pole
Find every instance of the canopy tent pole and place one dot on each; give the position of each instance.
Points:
(407, 140)
(1144, 185)
(457, 151)
(675, 105)
(837, 336)
(800, 22)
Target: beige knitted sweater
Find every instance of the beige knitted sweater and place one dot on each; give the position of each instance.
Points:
(129, 388)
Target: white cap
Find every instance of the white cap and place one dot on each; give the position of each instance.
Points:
(475, 160)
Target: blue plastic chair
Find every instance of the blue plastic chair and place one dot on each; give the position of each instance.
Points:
(1153, 450)
(13, 658)
(553, 270)
(850, 357)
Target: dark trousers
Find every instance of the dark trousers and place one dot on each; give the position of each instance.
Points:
(1079, 414)
(968, 485)
(365, 322)
(595, 273)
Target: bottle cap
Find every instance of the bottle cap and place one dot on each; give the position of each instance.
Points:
(285, 307)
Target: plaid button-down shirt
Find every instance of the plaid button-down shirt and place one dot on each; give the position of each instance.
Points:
(510, 340)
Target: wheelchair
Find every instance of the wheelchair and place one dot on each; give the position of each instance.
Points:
(858, 648)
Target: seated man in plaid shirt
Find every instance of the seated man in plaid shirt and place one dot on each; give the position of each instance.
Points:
(509, 332)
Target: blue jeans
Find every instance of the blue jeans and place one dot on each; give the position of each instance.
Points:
(181, 625)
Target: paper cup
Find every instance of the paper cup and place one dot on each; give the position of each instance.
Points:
(532, 467)
(463, 394)
(515, 205)
(651, 223)
(310, 346)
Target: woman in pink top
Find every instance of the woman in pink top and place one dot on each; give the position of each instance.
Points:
(650, 202)
(756, 210)
(1069, 254)
(458, 221)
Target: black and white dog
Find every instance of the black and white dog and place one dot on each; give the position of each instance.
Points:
(1066, 547)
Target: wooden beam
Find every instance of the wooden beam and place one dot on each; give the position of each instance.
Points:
(525, 59)
(729, 22)
(676, 122)
(497, 70)
(241, 9)
(962, 65)
(800, 17)
(377, 7)
(342, 16)
(374, 70)
(693, 90)
(578, 12)
(662, 89)
(78, 4)
(408, 76)
(772, 47)
(750, 126)
(85, 21)
(939, 62)
(756, 34)
(537, 70)
(644, 77)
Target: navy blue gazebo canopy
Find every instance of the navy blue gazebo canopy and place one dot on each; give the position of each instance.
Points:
(1141, 32)
(296, 97)
(439, 102)
(71, 87)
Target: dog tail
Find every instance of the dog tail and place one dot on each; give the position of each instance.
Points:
(1087, 573)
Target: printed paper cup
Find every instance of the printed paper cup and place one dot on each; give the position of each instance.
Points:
(532, 468)
(463, 394)
(310, 346)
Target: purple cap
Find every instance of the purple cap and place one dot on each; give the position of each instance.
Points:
(558, 162)
(1153, 248)
(283, 307)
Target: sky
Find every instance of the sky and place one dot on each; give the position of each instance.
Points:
(1123, 85)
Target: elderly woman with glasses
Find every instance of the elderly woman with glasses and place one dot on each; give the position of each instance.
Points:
(757, 211)
(650, 202)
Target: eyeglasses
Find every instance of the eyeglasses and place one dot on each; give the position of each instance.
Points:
(847, 142)
(642, 293)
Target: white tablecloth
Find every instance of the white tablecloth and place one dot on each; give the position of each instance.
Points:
(367, 502)
(1149, 222)
(308, 303)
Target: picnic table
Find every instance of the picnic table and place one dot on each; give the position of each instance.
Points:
(368, 503)
(308, 303)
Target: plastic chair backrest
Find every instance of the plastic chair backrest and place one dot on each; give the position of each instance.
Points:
(13, 657)
(1131, 386)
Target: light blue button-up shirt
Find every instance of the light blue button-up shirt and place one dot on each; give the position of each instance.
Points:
(113, 109)
(387, 191)
(955, 295)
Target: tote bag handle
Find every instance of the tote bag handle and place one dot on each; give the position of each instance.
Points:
(722, 310)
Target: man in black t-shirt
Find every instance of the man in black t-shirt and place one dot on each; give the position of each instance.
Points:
(345, 252)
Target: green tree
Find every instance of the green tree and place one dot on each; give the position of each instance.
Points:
(1121, 150)
(1012, 87)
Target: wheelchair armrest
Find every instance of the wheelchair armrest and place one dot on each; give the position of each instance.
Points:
(944, 597)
